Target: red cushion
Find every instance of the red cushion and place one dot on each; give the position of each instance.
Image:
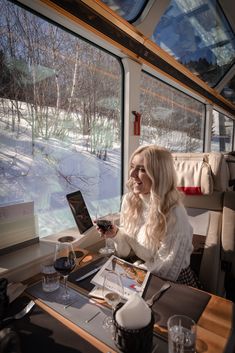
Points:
(190, 190)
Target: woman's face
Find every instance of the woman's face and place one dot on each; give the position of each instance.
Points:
(141, 181)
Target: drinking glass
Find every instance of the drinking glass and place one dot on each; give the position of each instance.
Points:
(64, 263)
(50, 277)
(105, 223)
(113, 292)
(181, 334)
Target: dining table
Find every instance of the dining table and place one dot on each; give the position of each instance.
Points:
(83, 314)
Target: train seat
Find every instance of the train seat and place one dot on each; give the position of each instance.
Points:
(228, 243)
(203, 177)
(228, 229)
(230, 160)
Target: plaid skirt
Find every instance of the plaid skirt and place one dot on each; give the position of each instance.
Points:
(188, 276)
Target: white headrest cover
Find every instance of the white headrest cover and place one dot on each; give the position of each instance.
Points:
(193, 173)
(219, 170)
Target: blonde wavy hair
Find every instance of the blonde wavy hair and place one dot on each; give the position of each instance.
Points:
(159, 167)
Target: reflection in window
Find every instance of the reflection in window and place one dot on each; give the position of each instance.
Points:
(60, 102)
(222, 132)
(128, 9)
(170, 118)
(229, 90)
(198, 35)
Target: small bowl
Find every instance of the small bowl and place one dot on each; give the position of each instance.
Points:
(66, 239)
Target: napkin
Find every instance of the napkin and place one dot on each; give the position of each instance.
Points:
(14, 290)
(134, 314)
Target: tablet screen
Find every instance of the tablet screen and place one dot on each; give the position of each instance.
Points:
(79, 211)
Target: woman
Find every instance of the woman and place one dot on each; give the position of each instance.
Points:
(153, 222)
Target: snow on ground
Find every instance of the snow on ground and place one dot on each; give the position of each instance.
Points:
(51, 170)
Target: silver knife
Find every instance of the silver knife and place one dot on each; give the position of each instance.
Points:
(88, 273)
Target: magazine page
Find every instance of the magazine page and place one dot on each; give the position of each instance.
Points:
(133, 278)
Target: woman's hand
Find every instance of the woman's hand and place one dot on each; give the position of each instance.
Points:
(110, 233)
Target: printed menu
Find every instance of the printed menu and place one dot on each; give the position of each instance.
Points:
(134, 278)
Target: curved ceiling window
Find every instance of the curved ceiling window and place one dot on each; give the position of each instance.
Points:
(128, 9)
(229, 90)
(199, 36)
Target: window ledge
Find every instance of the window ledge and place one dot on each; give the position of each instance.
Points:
(24, 263)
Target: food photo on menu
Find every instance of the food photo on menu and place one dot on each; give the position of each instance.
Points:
(133, 278)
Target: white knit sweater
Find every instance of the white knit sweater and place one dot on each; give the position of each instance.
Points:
(174, 252)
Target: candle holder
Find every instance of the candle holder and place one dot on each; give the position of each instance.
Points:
(133, 340)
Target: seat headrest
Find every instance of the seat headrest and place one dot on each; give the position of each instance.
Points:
(193, 173)
(201, 173)
(219, 170)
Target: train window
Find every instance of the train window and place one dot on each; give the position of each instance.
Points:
(128, 9)
(222, 133)
(170, 117)
(199, 36)
(229, 90)
(60, 118)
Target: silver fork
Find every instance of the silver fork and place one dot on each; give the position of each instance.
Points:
(151, 300)
(20, 314)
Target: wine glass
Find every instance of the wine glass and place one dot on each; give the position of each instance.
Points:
(105, 224)
(64, 263)
(113, 292)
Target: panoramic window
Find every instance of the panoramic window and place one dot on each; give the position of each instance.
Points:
(128, 9)
(170, 118)
(222, 133)
(60, 117)
(198, 35)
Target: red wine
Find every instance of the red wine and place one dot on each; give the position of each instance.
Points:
(104, 224)
(64, 265)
